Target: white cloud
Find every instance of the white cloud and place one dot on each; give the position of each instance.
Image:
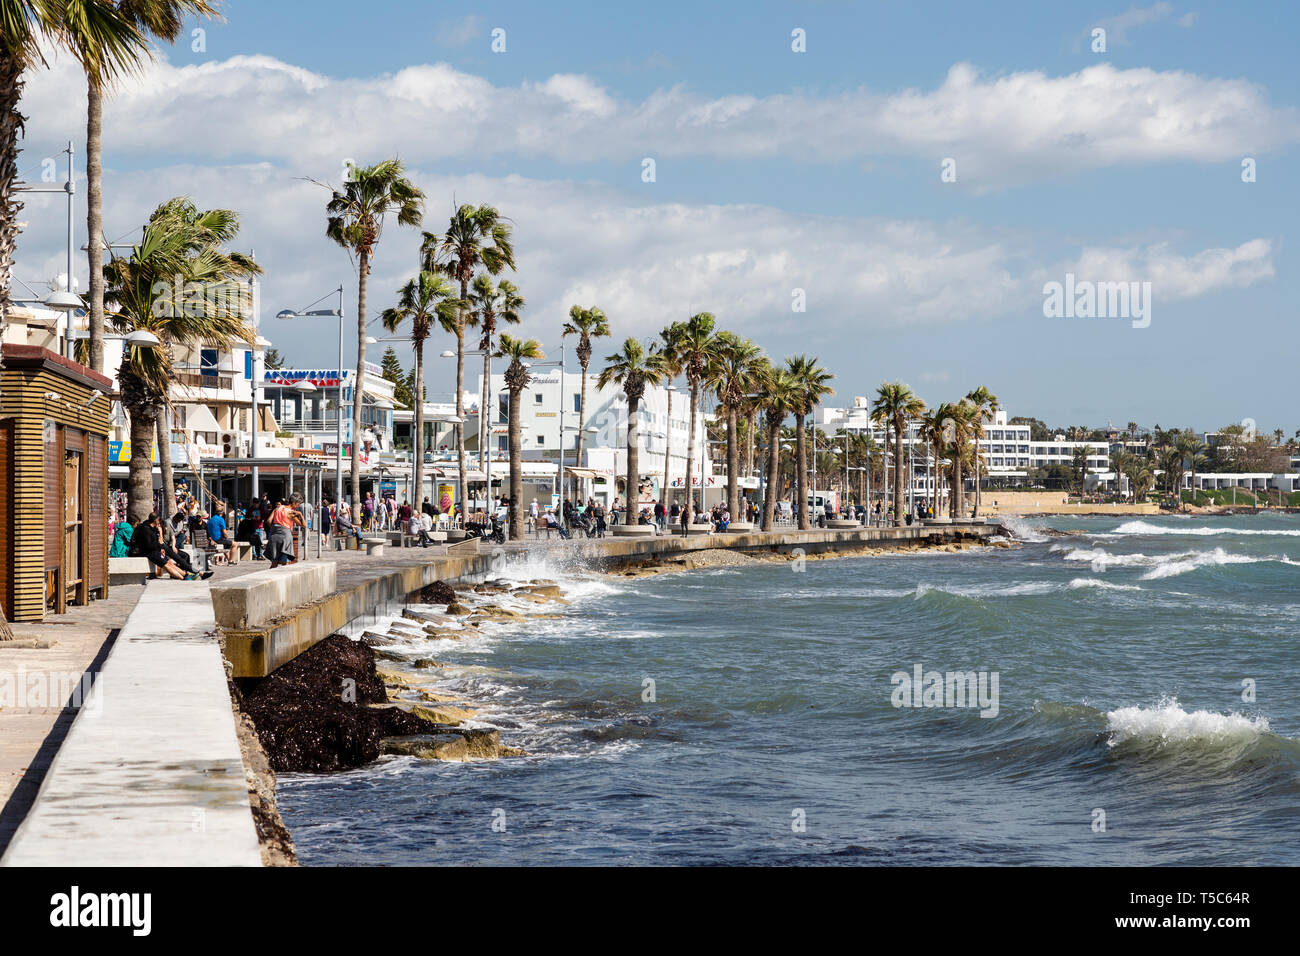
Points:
(1118, 26)
(648, 264)
(1001, 129)
(460, 32)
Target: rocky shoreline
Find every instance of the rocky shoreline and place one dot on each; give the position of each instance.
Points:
(725, 557)
(344, 703)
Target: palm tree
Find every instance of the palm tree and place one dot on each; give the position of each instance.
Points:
(632, 368)
(932, 433)
(520, 352)
(733, 372)
(959, 421)
(668, 337)
(895, 405)
(694, 346)
(986, 406)
(426, 299)
(489, 304)
(476, 237)
(164, 20)
(356, 222)
(812, 384)
(586, 324)
(779, 399)
(1190, 450)
(179, 241)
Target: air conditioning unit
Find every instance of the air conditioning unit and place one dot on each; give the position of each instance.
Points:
(233, 445)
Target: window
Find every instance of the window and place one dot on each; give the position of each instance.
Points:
(541, 440)
(577, 402)
(208, 361)
(537, 398)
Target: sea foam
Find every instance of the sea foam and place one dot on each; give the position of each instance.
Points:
(1168, 723)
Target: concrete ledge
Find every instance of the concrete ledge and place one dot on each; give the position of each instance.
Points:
(938, 521)
(740, 527)
(254, 599)
(150, 773)
(632, 530)
(127, 570)
(697, 528)
(843, 523)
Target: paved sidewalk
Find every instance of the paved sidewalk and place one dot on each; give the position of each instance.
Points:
(40, 669)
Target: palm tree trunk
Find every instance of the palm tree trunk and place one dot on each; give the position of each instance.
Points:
(898, 475)
(668, 438)
(582, 424)
(516, 469)
(800, 472)
(140, 467)
(773, 474)
(485, 416)
(11, 122)
(358, 387)
(165, 466)
(733, 464)
(419, 423)
(95, 222)
(633, 464)
(462, 480)
(958, 493)
(689, 506)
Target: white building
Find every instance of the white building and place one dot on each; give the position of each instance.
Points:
(548, 416)
(1007, 450)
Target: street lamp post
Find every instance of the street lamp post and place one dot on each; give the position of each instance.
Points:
(63, 300)
(338, 409)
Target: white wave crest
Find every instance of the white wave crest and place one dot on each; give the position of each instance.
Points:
(1146, 527)
(1167, 722)
(1079, 583)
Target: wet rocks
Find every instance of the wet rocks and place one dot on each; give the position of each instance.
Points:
(457, 609)
(461, 744)
(311, 714)
(439, 592)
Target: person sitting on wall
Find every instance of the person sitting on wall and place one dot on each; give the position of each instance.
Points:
(147, 542)
(121, 547)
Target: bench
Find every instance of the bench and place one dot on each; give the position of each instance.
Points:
(374, 546)
(127, 570)
(633, 530)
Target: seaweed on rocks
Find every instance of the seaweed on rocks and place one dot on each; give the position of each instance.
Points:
(312, 714)
(439, 592)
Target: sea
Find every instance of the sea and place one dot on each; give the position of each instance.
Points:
(1125, 694)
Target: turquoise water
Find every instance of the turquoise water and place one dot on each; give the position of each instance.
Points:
(1120, 656)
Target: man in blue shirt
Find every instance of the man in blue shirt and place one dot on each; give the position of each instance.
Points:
(217, 528)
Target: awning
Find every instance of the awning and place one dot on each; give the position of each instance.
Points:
(199, 419)
(589, 473)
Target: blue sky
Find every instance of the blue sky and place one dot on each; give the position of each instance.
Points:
(777, 170)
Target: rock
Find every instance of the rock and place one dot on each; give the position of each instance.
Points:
(427, 746)
(446, 716)
(546, 590)
(541, 581)
(391, 656)
(375, 639)
(422, 616)
(439, 592)
(457, 608)
(424, 663)
(311, 714)
(392, 677)
(442, 633)
(505, 751)
(482, 742)
(490, 589)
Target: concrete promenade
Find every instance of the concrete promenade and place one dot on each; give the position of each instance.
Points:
(150, 773)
